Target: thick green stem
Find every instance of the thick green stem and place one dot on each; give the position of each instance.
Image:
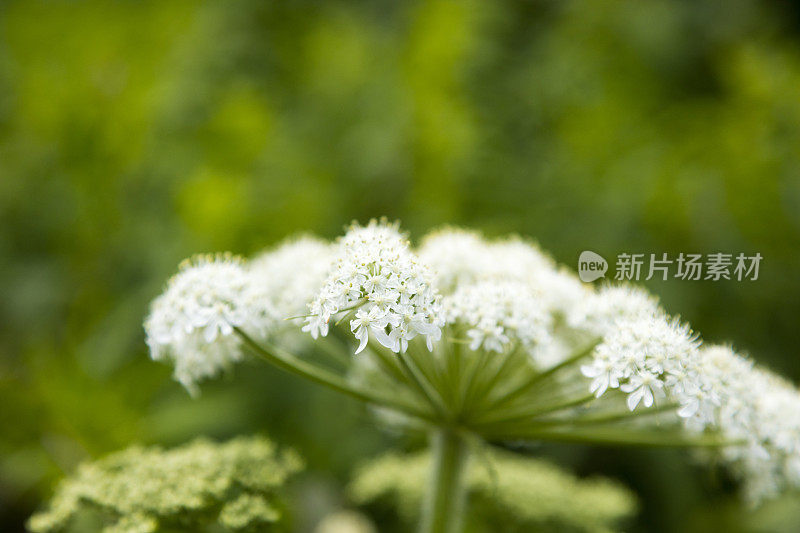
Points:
(443, 507)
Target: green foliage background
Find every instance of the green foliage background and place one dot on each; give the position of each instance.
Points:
(133, 134)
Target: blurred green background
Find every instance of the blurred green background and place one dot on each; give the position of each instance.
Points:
(133, 134)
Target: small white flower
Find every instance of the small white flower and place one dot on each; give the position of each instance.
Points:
(489, 335)
(642, 387)
(604, 372)
(374, 319)
(317, 323)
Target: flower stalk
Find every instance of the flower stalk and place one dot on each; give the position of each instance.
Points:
(443, 511)
(304, 369)
(536, 379)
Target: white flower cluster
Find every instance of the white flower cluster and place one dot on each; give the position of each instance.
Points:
(459, 258)
(379, 280)
(517, 280)
(498, 314)
(753, 406)
(192, 322)
(598, 313)
(648, 356)
(643, 353)
(290, 275)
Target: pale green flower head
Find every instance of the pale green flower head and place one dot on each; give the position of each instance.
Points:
(507, 492)
(233, 486)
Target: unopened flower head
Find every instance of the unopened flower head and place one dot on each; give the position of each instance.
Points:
(380, 282)
(192, 322)
(201, 486)
(498, 314)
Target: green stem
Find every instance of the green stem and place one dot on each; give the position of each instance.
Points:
(451, 374)
(607, 418)
(299, 367)
(422, 384)
(507, 358)
(443, 508)
(574, 358)
(617, 437)
(524, 415)
(478, 365)
(528, 384)
(428, 365)
(387, 362)
(335, 350)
